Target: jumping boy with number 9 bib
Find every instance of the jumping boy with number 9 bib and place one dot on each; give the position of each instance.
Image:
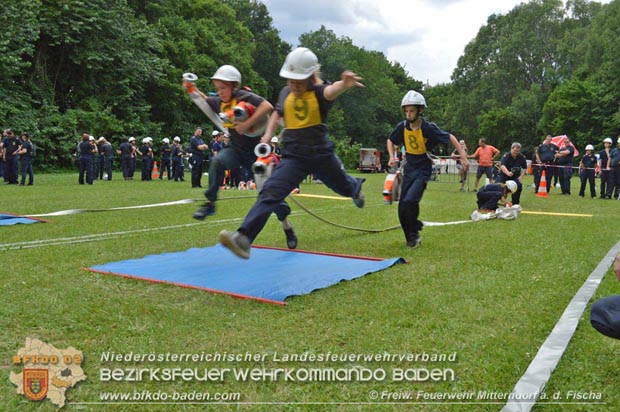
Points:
(303, 105)
(418, 137)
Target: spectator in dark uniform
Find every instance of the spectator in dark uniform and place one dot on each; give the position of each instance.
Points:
(215, 144)
(177, 155)
(165, 152)
(603, 166)
(513, 166)
(613, 188)
(107, 151)
(134, 156)
(100, 163)
(11, 165)
(95, 167)
(2, 163)
(605, 312)
(124, 151)
(197, 149)
(86, 152)
(545, 156)
(25, 153)
(564, 158)
(146, 154)
(149, 142)
(587, 165)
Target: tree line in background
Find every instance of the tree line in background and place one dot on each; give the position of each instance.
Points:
(113, 68)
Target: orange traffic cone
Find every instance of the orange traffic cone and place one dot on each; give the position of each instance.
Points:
(155, 174)
(542, 186)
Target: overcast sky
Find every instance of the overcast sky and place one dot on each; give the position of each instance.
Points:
(425, 36)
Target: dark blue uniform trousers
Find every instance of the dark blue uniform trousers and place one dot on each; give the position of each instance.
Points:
(605, 316)
(231, 158)
(298, 161)
(415, 179)
(86, 169)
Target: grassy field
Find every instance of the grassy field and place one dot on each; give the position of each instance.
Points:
(485, 293)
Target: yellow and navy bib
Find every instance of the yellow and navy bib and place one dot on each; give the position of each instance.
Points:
(302, 112)
(415, 142)
(224, 107)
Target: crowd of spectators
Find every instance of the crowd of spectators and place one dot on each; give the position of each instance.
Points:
(16, 155)
(97, 158)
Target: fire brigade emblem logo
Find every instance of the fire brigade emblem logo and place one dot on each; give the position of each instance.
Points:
(46, 371)
(36, 383)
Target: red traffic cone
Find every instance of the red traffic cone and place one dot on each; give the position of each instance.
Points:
(542, 186)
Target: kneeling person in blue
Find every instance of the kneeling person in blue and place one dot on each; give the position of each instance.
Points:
(303, 105)
(493, 195)
(418, 137)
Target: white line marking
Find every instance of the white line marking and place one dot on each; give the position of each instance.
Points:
(531, 384)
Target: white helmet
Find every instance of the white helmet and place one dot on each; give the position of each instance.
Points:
(166, 140)
(227, 73)
(619, 140)
(589, 147)
(511, 185)
(215, 133)
(145, 140)
(274, 139)
(177, 139)
(608, 140)
(300, 64)
(413, 98)
(91, 138)
(132, 139)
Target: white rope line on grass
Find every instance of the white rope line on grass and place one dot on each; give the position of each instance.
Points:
(85, 238)
(187, 201)
(77, 211)
(529, 387)
(173, 203)
(457, 222)
(99, 236)
(113, 235)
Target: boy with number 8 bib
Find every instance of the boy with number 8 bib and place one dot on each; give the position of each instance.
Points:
(418, 137)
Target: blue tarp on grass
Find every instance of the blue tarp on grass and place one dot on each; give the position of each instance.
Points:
(270, 275)
(7, 219)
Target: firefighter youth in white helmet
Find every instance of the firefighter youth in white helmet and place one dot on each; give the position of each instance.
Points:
(418, 137)
(232, 97)
(306, 146)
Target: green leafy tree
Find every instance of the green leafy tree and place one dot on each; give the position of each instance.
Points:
(270, 50)
(18, 37)
(570, 110)
(600, 63)
(19, 33)
(512, 55)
